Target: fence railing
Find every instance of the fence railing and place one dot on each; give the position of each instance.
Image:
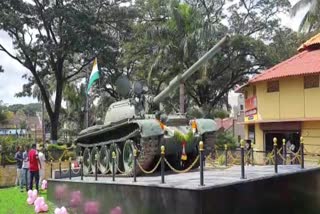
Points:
(8, 158)
(226, 158)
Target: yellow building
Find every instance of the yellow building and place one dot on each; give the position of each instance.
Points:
(284, 101)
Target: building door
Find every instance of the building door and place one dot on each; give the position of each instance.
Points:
(292, 138)
(251, 134)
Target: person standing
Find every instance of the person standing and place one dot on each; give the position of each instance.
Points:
(25, 167)
(34, 165)
(42, 159)
(19, 159)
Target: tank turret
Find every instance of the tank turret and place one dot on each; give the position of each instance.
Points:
(129, 127)
(138, 105)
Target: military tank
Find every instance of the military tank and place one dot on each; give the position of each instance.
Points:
(129, 125)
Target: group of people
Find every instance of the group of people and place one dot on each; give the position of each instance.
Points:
(30, 166)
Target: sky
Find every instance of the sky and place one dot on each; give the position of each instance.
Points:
(11, 81)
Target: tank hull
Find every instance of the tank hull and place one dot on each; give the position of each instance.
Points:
(146, 136)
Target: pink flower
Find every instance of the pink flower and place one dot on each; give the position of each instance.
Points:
(91, 207)
(60, 192)
(44, 185)
(116, 210)
(76, 199)
(61, 210)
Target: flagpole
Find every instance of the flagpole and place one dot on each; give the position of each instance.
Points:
(86, 119)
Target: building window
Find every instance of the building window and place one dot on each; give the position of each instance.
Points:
(273, 86)
(311, 81)
(241, 107)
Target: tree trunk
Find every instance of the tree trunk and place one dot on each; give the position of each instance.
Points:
(54, 128)
(42, 122)
(57, 104)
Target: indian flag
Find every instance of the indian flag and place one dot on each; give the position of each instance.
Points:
(94, 75)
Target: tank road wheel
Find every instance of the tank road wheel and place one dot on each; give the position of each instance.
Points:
(86, 161)
(114, 148)
(127, 156)
(104, 160)
(94, 151)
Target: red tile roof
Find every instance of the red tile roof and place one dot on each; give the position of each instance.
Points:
(304, 63)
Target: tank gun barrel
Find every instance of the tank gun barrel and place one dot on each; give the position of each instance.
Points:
(195, 67)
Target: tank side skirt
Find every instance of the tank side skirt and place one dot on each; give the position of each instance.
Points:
(122, 139)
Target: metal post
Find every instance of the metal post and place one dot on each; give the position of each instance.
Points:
(113, 165)
(96, 166)
(275, 155)
(134, 165)
(70, 168)
(242, 159)
(60, 168)
(81, 167)
(302, 152)
(226, 154)
(284, 151)
(252, 157)
(201, 163)
(162, 163)
(51, 174)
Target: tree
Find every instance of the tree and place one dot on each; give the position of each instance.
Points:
(50, 37)
(29, 109)
(256, 18)
(311, 20)
(169, 36)
(3, 116)
(75, 98)
(284, 45)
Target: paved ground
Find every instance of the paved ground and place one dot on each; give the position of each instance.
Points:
(191, 180)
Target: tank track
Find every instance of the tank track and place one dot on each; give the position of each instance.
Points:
(148, 149)
(148, 152)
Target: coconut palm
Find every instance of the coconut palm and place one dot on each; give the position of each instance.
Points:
(311, 20)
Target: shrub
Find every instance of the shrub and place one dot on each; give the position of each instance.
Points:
(220, 113)
(56, 152)
(10, 143)
(195, 113)
(70, 154)
(225, 138)
(9, 146)
(221, 160)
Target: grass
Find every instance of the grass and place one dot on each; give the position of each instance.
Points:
(12, 201)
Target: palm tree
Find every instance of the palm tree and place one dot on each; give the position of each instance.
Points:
(311, 20)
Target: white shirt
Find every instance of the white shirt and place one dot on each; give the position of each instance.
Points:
(42, 160)
(25, 162)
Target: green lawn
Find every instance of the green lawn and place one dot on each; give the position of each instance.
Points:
(12, 201)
